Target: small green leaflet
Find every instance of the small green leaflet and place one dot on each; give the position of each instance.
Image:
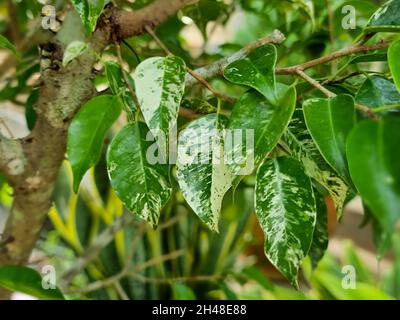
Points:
(300, 145)
(268, 122)
(28, 281)
(320, 237)
(394, 62)
(386, 18)
(89, 11)
(203, 176)
(143, 187)
(160, 85)
(257, 71)
(118, 86)
(373, 154)
(88, 131)
(5, 43)
(73, 50)
(336, 117)
(286, 211)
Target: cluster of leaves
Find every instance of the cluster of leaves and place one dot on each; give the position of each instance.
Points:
(302, 154)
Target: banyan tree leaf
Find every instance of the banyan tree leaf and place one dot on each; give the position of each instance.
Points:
(267, 122)
(203, 176)
(299, 144)
(320, 237)
(373, 153)
(286, 211)
(394, 62)
(386, 18)
(117, 85)
(142, 185)
(87, 132)
(73, 50)
(89, 11)
(330, 122)
(256, 70)
(160, 85)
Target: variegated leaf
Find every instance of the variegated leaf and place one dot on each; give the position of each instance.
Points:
(257, 70)
(286, 211)
(300, 145)
(160, 85)
(254, 113)
(143, 187)
(203, 176)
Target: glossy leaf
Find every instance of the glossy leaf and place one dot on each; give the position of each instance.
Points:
(257, 71)
(118, 86)
(203, 176)
(320, 237)
(73, 50)
(268, 122)
(143, 187)
(5, 43)
(87, 133)
(386, 18)
(373, 153)
(28, 281)
(300, 145)
(160, 85)
(330, 122)
(286, 211)
(89, 11)
(394, 62)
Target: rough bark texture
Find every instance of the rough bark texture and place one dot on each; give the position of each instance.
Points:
(31, 164)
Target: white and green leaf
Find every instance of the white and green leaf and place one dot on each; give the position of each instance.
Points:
(73, 50)
(286, 211)
(89, 11)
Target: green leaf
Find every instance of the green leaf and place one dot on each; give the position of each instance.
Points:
(160, 85)
(30, 113)
(286, 211)
(143, 187)
(28, 281)
(5, 43)
(268, 122)
(330, 122)
(73, 50)
(300, 145)
(87, 133)
(378, 92)
(89, 11)
(257, 71)
(394, 62)
(373, 154)
(118, 86)
(182, 292)
(203, 176)
(386, 18)
(320, 237)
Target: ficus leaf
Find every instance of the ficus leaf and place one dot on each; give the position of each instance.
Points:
(330, 122)
(28, 281)
(386, 18)
(256, 70)
(394, 62)
(73, 50)
(203, 176)
(88, 131)
(89, 11)
(142, 186)
(300, 145)
(267, 122)
(5, 43)
(286, 211)
(160, 85)
(373, 153)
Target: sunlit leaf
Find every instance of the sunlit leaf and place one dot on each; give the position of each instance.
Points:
(394, 62)
(5, 43)
(89, 11)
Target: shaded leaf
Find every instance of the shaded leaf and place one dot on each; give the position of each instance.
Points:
(257, 71)
(142, 186)
(203, 176)
(386, 18)
(28, 281)
(330, 122)
(285, 208)
(373, 153)
(5, 43)
(87, 133)
(394, 62)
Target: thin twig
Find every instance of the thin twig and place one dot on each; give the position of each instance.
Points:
(315, 83)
